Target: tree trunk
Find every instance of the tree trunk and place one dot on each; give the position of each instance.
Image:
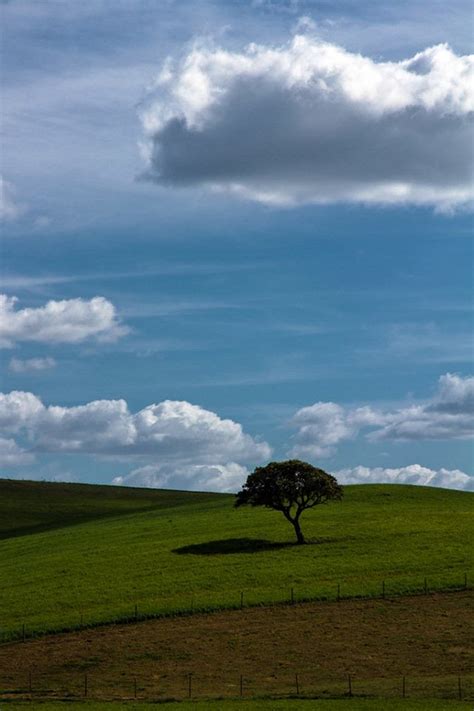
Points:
(299, 533)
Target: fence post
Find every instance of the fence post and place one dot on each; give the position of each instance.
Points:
(297, 685)
(241, 685)
(404, 688)
(350, 684)
(85, 685)
(459, 688)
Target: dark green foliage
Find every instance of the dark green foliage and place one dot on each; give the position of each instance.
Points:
(290, 487)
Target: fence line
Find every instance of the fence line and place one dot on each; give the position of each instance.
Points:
(135, 615)
(297, 684)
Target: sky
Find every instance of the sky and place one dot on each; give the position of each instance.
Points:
(236, 232)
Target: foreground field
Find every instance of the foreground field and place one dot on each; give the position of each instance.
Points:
(428, 640)
(195, 551)
(257, 705)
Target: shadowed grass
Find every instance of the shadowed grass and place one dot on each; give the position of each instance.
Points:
(231, 546)
(30, 506)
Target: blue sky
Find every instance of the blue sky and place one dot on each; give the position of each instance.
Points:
(296, 270)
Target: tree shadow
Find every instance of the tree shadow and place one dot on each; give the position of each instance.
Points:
(232, 545)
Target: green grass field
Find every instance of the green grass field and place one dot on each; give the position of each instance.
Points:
(168, 551)
(254, 705)
(30, 507)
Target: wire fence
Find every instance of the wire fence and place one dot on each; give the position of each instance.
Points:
(138, 612)
(28, 685)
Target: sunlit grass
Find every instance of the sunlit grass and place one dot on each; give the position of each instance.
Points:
(102, 568)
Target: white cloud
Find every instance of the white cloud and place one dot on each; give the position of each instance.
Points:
(448, 415)
(309, 122)
(216, 477)
(19, 410)
(320, 427)
(99, 426)
(31, 365)
(11, 455)
(455, 395)
(180, 433)
(196, 449)
(412, 474)
(67, 321)
(10, 208)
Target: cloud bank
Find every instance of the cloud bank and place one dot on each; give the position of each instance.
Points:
(67, 321)
(448, 415)
(309, 122)
(189, 447)
(194, 447)
(412, 474)
(175, 444)
(229, 478)
(217, 477)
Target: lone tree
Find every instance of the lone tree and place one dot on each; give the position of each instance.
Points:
(290, 487)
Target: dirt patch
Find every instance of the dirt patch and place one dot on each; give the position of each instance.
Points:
(426, 635)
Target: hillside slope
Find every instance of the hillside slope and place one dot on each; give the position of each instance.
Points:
(32, 506)
(202, 553)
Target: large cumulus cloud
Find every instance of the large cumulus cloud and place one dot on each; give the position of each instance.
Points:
(311, 122)
(448, 415)
(181, 444)
(66, 321)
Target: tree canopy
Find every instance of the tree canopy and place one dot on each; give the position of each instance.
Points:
(290, 487)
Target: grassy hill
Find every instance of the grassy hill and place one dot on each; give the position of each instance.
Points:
(31, 506)
(167, 551)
